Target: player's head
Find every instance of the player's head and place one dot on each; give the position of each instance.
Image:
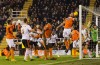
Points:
(71, 14)
(94, 26)
(9, 21)
(25, 20)
(37, 26)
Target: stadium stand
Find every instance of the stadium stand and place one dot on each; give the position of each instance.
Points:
(6, 6)
(42, 11)
(53, 10)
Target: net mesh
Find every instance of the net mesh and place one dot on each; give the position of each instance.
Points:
(90, 45)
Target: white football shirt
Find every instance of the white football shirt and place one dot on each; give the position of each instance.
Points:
(25, 30)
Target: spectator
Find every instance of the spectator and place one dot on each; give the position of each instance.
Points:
(6, 6)
(59, 9)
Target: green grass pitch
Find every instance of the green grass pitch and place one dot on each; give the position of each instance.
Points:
(63, 60)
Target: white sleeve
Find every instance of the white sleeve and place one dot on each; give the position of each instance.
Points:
(29, 27)
(56, 36)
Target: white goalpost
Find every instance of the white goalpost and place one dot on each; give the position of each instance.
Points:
(96, 20)
(80, 27)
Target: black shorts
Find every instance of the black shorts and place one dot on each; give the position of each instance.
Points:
(51, 45)
(31, 43)
(92, 45)
(25, 43)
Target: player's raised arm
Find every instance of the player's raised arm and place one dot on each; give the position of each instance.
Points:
(60, 25)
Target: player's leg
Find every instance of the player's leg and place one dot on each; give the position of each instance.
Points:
(42, 42)
(67, 43)
(12, 48)
(36, 49)
(94, 49)
(46, 53)
(31, 44)
(30, 49)
(12, 53)
(50, 49)
(89, 48)
(45, 48)
(66, 35)
(9, 45)
(51, 45)
(74, 49)
(8, 54)
(26, 50)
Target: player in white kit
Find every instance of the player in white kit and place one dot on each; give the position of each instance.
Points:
(25, 30)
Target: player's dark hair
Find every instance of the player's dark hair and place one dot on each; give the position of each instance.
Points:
(8, 21)
(75, 28)
(25, 20)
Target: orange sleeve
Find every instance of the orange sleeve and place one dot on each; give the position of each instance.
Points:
(9, 32)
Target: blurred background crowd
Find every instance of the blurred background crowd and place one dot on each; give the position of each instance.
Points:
(42, 11)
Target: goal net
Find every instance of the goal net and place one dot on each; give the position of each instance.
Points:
(89, 28)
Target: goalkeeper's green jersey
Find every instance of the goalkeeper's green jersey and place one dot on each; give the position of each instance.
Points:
(94, 34)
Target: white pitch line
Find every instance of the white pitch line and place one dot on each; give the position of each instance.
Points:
(59, 62)
(91, 58)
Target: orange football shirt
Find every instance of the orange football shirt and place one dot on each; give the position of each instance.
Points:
(48, 30)
(9, 31)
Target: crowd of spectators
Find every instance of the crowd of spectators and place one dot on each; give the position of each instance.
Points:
(53, 10)
(41, 11)
(96, 10)
(6, 6)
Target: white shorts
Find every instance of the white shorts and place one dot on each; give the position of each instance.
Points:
(10, 42)
(52, 40)
(47, 41)
(66, 33)
(75, 44)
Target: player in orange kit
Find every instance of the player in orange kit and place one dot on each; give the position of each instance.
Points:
(68, 23)
(10, 40)
(47, 35)
(46, 39)
(75, 38)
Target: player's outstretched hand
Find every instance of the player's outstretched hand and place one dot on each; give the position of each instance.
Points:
(57, 29)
